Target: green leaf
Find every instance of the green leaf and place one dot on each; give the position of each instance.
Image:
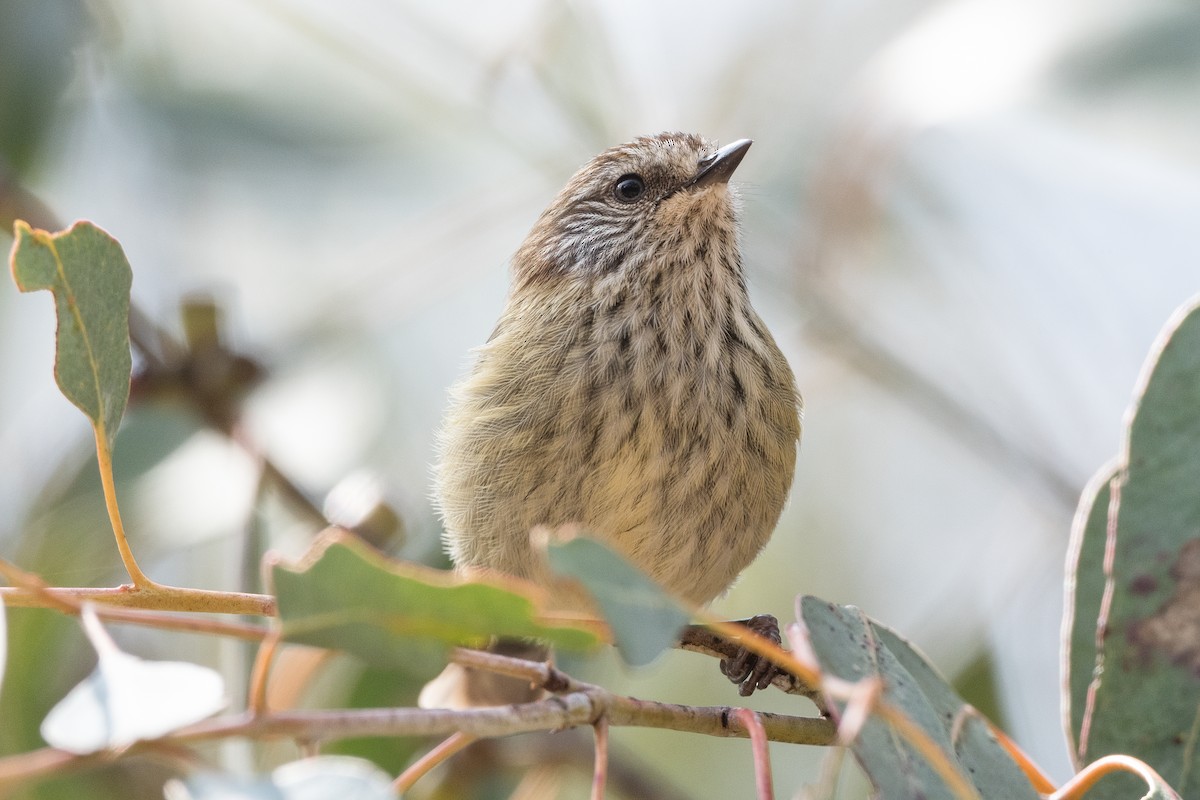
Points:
(644, 619)
(344, 595)
(1140, 693)
(90, 278)
(852, 647)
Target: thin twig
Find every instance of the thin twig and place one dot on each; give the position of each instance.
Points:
(166, 620)
(837, 331)
(762, 754)
(256, 694)
(571, 710)
(20, 769)
(16, 202)
(167, 599)
(600, 766)
(104, 462)
(538, 673)
(581, 704)
(35, 586)
(453, 744)
(31, 587)
(1087, 777)
(288, 488)
(562, 711)
(860, 697)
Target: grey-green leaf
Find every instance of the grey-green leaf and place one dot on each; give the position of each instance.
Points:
(1085, 591)
(851, 646)
(127, 699)
(90, 278)
(1148, 516)
(644, 619)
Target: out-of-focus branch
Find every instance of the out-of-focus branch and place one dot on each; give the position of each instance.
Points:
(212, 379)
(844, 206)
(16, 203)
(838, 333)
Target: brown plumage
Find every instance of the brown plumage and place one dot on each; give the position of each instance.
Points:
(629, 387)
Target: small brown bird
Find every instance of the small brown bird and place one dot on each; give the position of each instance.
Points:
(629, 387)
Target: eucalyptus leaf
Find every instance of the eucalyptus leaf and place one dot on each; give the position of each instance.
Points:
(644, 619)
(89, 276)
(127, 699)
(1132, 647)
(851, 646)
(345, 595)
(318, 778)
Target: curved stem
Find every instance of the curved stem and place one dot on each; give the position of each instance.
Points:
(1087, 777)
(453, 744)
(256, 700)
(762, 755)
(1041, 782)
(600, 768)
(104, 461)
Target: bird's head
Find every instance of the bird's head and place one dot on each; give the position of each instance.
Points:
(655, 199)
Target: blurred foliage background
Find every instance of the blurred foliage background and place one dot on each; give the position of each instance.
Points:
(965, 221)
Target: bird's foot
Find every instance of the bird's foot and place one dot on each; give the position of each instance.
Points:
(748, 670)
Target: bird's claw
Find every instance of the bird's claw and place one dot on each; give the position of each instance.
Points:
(748, 670)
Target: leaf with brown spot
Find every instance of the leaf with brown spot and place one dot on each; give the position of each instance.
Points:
(1132, 649)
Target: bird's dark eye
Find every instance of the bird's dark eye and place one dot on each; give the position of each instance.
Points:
(628, 188)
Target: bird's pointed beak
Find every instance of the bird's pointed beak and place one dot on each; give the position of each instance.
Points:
(720, 165)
